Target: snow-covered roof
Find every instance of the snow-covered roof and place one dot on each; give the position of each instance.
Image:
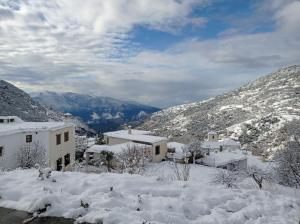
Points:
(179, 150)
(136, 135)
(224, 157)
(133, 132)
(16, 119)
(212, 133)
(16, 127)
(118, 148)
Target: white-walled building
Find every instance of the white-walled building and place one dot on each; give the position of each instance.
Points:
(95, 151)
(215, 142)
(57, 138)
(230, 160)
(157, 144)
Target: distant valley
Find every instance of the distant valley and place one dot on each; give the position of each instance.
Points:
(99, 113)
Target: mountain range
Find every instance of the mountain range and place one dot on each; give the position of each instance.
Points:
(99, 113)
(16, 102)
(256, 114)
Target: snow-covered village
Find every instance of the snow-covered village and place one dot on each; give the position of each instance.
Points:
(149, 112)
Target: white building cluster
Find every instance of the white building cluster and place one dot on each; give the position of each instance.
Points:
(59, 142)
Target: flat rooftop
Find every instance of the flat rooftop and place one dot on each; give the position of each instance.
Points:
(16, 127)
(136, 135)
(225, 157)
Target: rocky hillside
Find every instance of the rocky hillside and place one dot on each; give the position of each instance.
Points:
(14, 101)
(257, 114)
(100, 113)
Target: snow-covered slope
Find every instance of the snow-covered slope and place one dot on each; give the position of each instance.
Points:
(100, 113)
(256, 113)
(14, 101)
(135, 199)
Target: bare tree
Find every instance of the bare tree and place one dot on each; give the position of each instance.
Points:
(131, 159)
(181, 171)
(31, 155)
(288, 160)
(194, 150)
(81, 145)
(258, 175)
(227, 178)
(106, 159)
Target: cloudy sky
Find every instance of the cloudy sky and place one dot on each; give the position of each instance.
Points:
(158, 52)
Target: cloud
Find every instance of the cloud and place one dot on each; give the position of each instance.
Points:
(63, 45)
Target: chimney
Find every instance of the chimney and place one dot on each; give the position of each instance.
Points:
(129, 130)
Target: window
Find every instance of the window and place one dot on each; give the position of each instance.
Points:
(28, 138)
(221, 148)
(1, 120)
(59, 164)
(1, 151)
(11, 120)
(67, 159)
(66, 136)
(157, 150)
(58, 139)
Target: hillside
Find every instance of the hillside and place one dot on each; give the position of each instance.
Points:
(14, 101)
(100, 113)
(257, 114)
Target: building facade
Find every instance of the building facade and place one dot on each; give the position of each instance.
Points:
(57, 139)
(157, 145)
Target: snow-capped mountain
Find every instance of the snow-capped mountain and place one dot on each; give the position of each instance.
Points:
(257, 114)
(100, 113)
(14, 101)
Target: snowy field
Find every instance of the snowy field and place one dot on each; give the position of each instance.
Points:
(152, 198)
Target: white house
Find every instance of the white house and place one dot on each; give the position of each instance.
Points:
(230, 160)
(57, 138)
(157, 144)
(117, 149)
(214, 143)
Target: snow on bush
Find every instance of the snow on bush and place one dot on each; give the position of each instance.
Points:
(31, 155)
(124, 198)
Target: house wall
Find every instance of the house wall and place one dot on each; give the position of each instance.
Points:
(14, 142)
(163, 151)
(59, 151)
(237, 165)
(114, 141)
(155, 158)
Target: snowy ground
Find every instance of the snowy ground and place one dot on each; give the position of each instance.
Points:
(161, 200)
